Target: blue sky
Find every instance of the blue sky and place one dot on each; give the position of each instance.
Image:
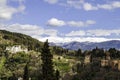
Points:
(62, 20)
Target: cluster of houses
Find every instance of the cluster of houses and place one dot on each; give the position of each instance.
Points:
(16, 48)
(113, 63)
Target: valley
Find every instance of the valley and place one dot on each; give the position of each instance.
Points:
(18, 51)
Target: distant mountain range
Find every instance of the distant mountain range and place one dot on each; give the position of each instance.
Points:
(89, 45)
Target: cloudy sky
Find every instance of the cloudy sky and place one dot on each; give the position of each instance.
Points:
(62, 20)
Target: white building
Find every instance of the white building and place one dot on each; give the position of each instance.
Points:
(16, 48)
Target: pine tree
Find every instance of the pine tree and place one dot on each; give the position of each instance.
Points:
(26, 73)
(47, 64)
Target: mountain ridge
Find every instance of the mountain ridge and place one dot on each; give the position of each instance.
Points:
(90, 45)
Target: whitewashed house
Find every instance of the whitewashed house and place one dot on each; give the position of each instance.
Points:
(16, 48)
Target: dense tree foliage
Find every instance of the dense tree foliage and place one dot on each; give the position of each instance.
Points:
(47, 63)
(44, 59)
(97, 52)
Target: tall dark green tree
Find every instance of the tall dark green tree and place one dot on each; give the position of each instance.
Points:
(113, 52)
(57, 74)
(78, 53)
(47, 63)
(26, 73)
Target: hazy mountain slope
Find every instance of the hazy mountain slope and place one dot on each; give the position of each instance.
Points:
(91, 45)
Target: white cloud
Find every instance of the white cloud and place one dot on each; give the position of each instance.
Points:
(116, 4)
(90, 22)
(105, 6)
(102, 32)
(75, 3)
(112, 5)
(94, 33)
(6, 11)
(82, 4)
(3, 2)
(55, 22)
(88, 6)
(76, 33)
(80, 36)
(77, 24)
(51, 1)
(78, 39)
(32, 30)
(50, 32)
(81, 23)
(21, 8)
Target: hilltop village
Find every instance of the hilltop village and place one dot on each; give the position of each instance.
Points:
(107, 61)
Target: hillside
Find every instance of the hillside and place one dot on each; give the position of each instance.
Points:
(71, 64)
(15, 62)
(12, 38)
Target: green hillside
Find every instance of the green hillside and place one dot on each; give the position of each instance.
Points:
(14, 63)
(95, 64)
(12, 38)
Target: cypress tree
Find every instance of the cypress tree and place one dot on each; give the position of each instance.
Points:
(79, 53)
(47, 64)
(57, 75)
(26, 73)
